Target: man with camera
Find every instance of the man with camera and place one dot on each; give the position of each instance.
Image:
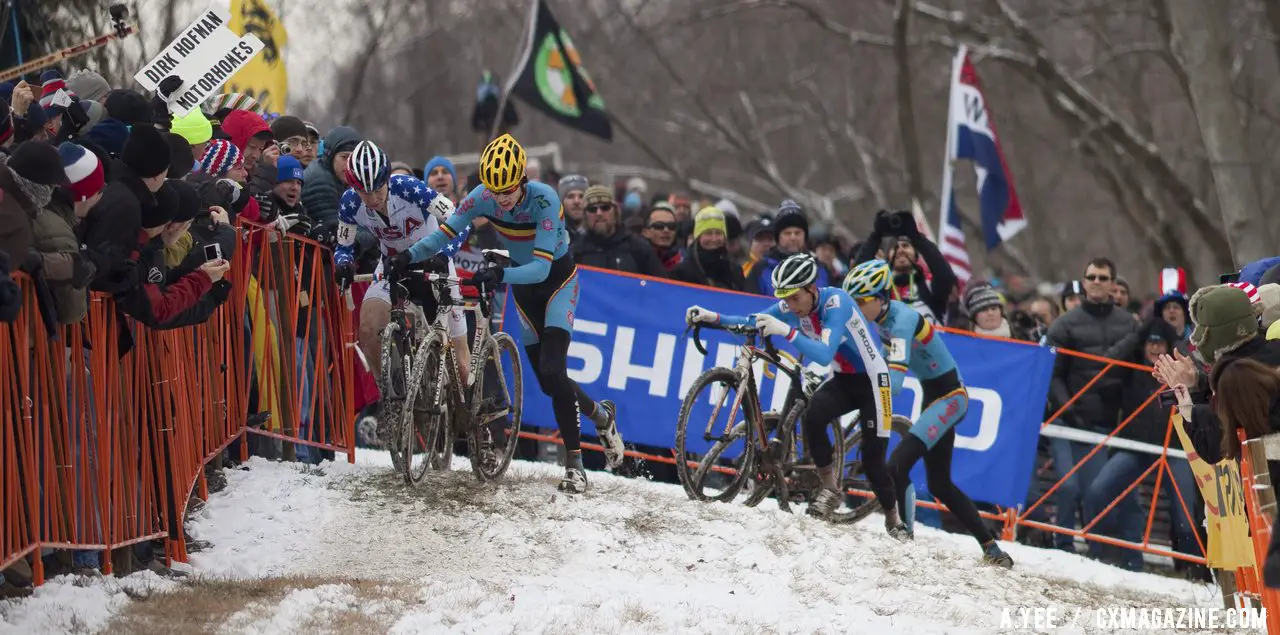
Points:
(926, 292)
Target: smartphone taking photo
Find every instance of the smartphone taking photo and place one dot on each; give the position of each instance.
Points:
(212, 253)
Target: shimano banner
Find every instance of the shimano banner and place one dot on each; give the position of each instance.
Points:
(628, 346)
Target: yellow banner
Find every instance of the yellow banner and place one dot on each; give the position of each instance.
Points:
(264, 77)
(1228, 522)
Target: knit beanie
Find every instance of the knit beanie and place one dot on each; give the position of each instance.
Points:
(146, 152)
(288, 169)
(166, 206)
(88, 85)
(219, 157)
(600, 195)
(572, 183)
(439, 161)
(111, 135)
(708, 218)
(1224, 320)
(790, 217)
(188, 206)
(39, 163)
(1269, 298)
(194, 127)
(95, 113)
(128, 106)
(980, 297)
(84, 172)
(288, 126)
(181, 159)
(1071, 289)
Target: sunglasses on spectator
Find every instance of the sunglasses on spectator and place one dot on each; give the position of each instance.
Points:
(595, 209)
(662, 226)
(1097, 278)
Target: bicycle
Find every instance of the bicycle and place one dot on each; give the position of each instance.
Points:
(427, 407)
(768, 441)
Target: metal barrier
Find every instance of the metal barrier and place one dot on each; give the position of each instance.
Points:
(100, 451)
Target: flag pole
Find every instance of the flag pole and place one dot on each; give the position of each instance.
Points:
(948, 166)
(516, 71)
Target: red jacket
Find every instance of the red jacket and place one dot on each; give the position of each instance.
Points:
(241, 125)
(153, 303)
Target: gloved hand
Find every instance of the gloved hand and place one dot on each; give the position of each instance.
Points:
(489, 276)
(167, 86)
(698, 315)
(906, 225)
(881, 226)
(770, 326)
(398, 263)
(344, 274)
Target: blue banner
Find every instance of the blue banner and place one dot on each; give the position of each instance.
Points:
(628, 346)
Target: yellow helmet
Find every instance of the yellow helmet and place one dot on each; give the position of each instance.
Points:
(502, 164)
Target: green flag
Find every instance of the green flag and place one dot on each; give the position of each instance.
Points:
(552, 79)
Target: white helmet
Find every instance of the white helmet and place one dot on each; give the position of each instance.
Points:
(794, 273)
(368, 168)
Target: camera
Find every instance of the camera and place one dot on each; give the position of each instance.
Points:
(213, 252)
(896, 223)
(1167, 399)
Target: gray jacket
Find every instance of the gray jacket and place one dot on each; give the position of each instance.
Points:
(1095, 329)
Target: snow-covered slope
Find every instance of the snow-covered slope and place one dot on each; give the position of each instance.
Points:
(628, 557)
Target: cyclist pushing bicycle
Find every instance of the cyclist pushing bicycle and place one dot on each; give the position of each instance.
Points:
(826, 327)
(544, 281)
(915, 346)
(398, 210)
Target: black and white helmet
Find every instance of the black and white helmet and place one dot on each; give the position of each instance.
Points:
(367, 167)
(794, 273)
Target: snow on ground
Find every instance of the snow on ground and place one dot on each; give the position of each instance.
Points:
(628, 557)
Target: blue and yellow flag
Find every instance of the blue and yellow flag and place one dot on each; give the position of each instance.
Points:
(264, 77)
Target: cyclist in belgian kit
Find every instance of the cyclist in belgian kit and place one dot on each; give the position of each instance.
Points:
(530, 222)
(915, 346)
(826, 327)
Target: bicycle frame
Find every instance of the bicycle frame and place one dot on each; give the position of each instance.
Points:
(744, 369)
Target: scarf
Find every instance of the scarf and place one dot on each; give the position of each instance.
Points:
(1001, 331)
(38, 194)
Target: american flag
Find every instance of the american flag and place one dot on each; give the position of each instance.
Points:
(972, 136)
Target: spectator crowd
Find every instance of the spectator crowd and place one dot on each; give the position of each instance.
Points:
(102, 190)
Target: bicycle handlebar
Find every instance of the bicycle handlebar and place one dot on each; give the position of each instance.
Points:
(439, 279)
(772, 354)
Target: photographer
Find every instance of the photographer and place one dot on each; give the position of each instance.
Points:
(927, 293)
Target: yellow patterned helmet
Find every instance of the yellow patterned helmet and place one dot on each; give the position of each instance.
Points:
(502, 164)
(870, 278)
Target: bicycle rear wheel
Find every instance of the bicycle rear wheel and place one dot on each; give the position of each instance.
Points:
(711, 399)
(855, 474)
(426, 410)
(391, 389)
(497, 400)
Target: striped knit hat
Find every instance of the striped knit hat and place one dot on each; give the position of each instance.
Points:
(51, 83)
(84, 171)
(219, 157)
(1248, 289)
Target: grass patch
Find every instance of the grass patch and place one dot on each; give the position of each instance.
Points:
(205, 605)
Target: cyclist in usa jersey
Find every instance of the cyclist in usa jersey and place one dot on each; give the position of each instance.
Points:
(915, 346)
(398, 210)
(544, 281)
(825, 326)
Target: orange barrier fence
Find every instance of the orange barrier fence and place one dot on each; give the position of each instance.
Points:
(1256, 481)
(100, 451)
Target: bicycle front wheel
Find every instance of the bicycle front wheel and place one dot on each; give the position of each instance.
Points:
(719, 438)
(497, 399)
(426, 410)
(391, 389)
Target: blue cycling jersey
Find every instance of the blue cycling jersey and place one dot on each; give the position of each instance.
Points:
(914, 346)
(836, 333)
(532, 231)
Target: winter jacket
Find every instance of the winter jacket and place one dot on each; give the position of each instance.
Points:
(321, 188)
(668, 257)
(110, 230)
(10, 292)
(262, 182)
(241, 125)
(190, 300)
(709, 269)
(1204, 428)
(623, 251)
(1094, 329)
(759, 278)
(916, 288)
(16, 216)
(66, 270)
